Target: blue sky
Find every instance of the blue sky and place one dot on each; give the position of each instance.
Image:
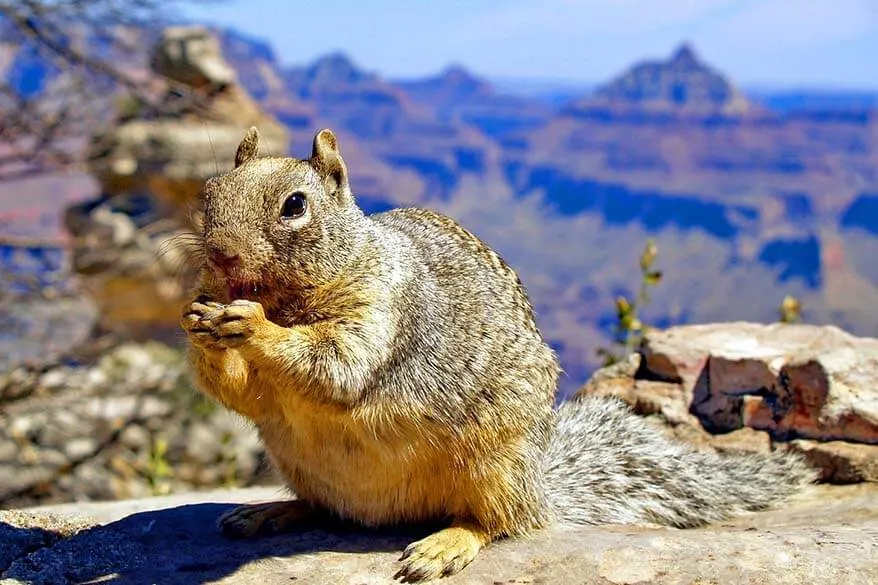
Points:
(778, 43)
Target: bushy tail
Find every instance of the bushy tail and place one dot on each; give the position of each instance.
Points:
(605, 464)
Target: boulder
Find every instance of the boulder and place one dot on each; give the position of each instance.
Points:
(826, 537)
(191, 55)
(752, 387)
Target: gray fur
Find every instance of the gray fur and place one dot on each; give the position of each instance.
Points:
(605, 464)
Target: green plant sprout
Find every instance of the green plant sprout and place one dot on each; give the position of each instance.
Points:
(629, 329)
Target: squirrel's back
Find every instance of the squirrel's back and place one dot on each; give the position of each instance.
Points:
(461, 262)
(469, 345)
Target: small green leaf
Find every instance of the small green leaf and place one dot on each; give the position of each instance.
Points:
(652, 278)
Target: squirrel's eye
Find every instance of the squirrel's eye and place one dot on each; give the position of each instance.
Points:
(294, 206)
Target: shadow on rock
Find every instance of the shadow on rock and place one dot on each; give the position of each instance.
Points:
(183, 546)
(19, 542)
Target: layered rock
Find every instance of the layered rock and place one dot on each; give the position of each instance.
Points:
(428, 153)
(681, 83)
(187, 138)
(457, 94)
(130, 245)
(746, 386)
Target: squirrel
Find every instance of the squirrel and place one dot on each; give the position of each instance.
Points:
(395, 373)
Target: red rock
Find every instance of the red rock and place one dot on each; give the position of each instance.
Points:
(839, 461)
(750, 387)
(789, 380)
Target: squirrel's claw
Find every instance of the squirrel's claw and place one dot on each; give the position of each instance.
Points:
(439, 555)
(265, 519)
(233, 324)
(191, 322)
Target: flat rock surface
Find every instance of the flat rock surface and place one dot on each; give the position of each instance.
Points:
(827, 535)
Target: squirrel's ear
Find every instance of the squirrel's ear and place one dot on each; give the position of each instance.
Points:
(249, 147)
(327, 160)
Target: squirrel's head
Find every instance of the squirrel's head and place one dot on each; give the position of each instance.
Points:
(276, 224)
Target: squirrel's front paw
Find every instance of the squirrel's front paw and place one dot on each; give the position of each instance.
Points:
(191, 322)
(234, 324)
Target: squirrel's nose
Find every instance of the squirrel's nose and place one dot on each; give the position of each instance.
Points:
(223, 259)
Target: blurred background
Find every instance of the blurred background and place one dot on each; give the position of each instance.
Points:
(639, 162)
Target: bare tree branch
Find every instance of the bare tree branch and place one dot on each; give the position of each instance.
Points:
(83, 55)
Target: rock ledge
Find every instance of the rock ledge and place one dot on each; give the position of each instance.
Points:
(827, 535)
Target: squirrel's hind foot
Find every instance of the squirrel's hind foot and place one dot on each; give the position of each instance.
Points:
(442, 553)
(265, 519)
